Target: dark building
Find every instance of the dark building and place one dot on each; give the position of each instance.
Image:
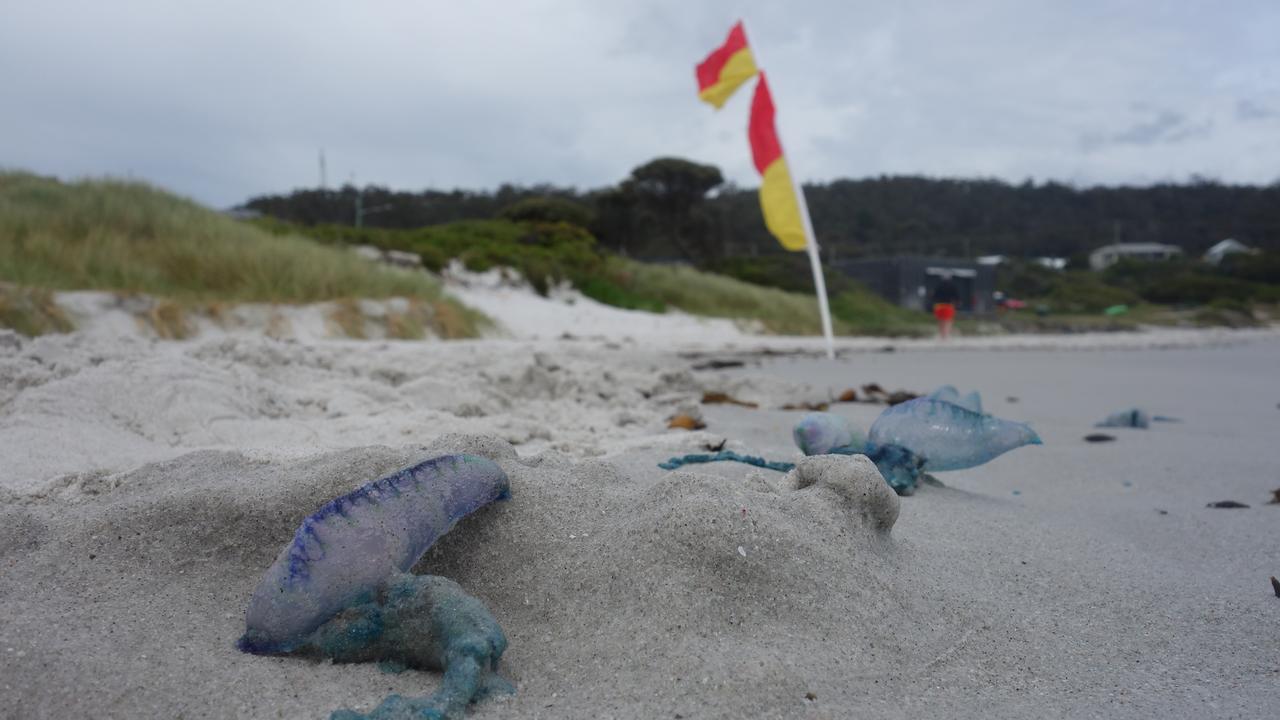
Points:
(910, 281)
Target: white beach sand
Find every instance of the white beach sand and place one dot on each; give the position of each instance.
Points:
(145, 486)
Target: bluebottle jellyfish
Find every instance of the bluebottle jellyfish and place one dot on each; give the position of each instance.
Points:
(820, 433)
(927, 435)
(948, 393)
(340, 588)
(1133, 418)
(906, 441)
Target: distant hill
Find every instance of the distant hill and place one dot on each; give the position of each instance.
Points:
(874, 216)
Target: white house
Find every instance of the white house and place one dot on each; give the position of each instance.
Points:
(1053, 263)
(1108, 255)
(1230, 246)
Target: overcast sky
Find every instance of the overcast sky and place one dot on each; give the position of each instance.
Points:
(225, 99)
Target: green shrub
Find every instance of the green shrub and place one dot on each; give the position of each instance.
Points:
(1202, 288)
(1024, 280)
(543, 252)
(1084, 292)
(610, 292)
(548, 210)
(862, 312)
(1259, 268)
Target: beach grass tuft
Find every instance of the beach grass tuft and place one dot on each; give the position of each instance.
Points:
(854, 312)
(31, 311)
(130, 237)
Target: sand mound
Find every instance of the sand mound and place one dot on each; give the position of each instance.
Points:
(599, 579)
(87, 404)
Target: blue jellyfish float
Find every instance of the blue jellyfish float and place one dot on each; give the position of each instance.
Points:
(937, 432)
(341, 588)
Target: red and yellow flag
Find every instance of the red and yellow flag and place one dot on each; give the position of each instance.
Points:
(726, 68)
(777, 193)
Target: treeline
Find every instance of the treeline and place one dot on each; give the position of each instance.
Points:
(674, 209)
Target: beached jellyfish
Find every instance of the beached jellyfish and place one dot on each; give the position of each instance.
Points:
(943, 436)
(948, 393)
(945, 393)
(426, 623)
(907, 440)
(1134, 418)
(1131, 418)
(339, 588)
(822, 433)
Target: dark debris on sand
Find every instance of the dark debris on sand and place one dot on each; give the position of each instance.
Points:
(717, 364)
(719, 398)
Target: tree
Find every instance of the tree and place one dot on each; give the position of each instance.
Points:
(674, 191)
(548, 210)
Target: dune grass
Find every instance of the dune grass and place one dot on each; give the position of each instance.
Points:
(779, 311)
(31, 311)
(131, 237)
(546, 253)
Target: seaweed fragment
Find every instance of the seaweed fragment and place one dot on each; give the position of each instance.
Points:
(720, 398)
(685, 421)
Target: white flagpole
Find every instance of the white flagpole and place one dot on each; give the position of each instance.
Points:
(815, 262)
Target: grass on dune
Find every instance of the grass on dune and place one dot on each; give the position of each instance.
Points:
(546, 253)
(130, 237)
(31, 311)
(780, 311)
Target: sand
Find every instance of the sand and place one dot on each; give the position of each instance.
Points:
(145, 486)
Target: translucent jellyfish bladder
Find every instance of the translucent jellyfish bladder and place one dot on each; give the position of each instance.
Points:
(907, 440)
(339, 588)
(948, 393)
(928, 435)
(822, 433)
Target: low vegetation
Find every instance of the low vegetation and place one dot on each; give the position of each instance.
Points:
(549, 250)
(1172, 291)
(129, 237)
(856, 309)
(31, 311)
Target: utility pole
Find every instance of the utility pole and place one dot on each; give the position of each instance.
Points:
(361, 210)
(324, 175)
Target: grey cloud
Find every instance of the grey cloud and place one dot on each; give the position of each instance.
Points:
(223, 100)
(1167, 127)
(1247, 110)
